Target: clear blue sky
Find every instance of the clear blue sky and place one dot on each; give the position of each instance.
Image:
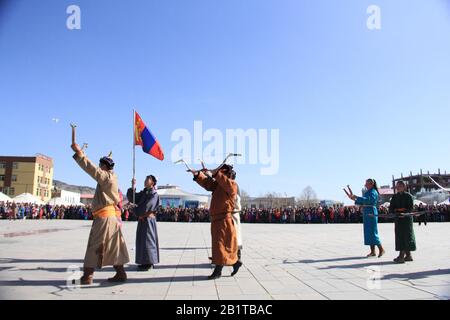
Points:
(350, 103)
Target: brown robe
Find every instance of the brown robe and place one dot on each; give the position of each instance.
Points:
(223, 230)
(106, 246)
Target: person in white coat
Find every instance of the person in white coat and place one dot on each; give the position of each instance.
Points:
(237, 223)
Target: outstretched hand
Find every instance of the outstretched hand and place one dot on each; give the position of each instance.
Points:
(194, 172)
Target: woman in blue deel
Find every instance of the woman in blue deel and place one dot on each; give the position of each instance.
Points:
(370, 217)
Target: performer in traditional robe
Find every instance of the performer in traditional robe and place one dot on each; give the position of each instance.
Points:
(147, 242)
(405, 240)
(369, 203)
(223, 230)
(106, 245)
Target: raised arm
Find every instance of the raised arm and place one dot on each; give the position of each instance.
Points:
(205, 182)
(370, 199)
(99, 175)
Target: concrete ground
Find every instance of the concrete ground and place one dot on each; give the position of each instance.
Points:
(38, 259)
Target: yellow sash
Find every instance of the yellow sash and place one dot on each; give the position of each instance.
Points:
(107, 212)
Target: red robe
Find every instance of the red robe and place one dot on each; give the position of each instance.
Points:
(223, 231)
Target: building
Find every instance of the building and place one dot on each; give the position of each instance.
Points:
(173, 197)
(27, 175)
(87, 199)
(424, 189)
(386, 193)
(421, 182)
(68, 197)
(268, 202)
(330, 203)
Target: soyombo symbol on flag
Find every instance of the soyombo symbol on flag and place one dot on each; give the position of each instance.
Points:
(143, 137)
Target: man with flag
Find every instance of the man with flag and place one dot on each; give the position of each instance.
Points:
(145, 202)
(147, 242)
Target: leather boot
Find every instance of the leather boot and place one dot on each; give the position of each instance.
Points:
(408, 257)
(88, 277)
(401, 258)
(217, 274)
(236, 268)
(121, 275)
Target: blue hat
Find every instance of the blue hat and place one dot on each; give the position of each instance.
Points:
(109, 162)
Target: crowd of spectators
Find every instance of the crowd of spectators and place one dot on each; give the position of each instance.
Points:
(300, 215)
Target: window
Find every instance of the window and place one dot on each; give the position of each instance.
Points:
(15, 165)
(2, 165)
(2, 177)
(12, 191)
(14, 178)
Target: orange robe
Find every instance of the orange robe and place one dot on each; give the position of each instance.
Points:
(223, 230)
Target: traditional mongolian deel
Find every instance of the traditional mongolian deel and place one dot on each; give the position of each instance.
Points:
(106, 246)
(223, 231)
(370, 217)
(404, 228)
(147, 243)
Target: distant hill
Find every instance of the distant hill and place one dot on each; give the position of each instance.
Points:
(68, 187)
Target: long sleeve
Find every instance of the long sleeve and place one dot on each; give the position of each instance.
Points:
(99, 175)
(369, 199)
(226, 184)
(393, 204)
(205, 182)
(153, 204)
(130, 195)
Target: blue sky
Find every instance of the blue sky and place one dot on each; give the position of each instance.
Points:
(350, 103)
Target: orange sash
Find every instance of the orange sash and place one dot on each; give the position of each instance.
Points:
(106, 212)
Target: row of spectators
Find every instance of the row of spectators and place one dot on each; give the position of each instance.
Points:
(315, 215)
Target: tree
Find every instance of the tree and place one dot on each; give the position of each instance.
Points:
(308, 198)
(245, 198)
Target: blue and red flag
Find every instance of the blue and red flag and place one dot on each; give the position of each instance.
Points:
(143, 137)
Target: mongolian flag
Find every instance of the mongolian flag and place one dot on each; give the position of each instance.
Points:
(143, 137)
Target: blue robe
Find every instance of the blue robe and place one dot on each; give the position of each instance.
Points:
(147, 242)
(370, 217)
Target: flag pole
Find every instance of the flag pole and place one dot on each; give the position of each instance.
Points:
(134, 154)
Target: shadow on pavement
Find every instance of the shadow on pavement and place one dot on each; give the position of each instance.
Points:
(359, 266)
(325, 260)
(418, 275)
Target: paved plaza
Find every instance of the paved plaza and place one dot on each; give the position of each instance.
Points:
(302, 262)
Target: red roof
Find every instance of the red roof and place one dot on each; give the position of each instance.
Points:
(386, 191)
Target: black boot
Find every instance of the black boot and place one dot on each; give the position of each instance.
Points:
(217, 274)
(236, 268)
(145, 267)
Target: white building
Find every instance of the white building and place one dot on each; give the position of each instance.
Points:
(68, 197)
(174, 197)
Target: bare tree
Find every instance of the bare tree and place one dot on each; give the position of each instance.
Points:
(308, 198)
(245, 198)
